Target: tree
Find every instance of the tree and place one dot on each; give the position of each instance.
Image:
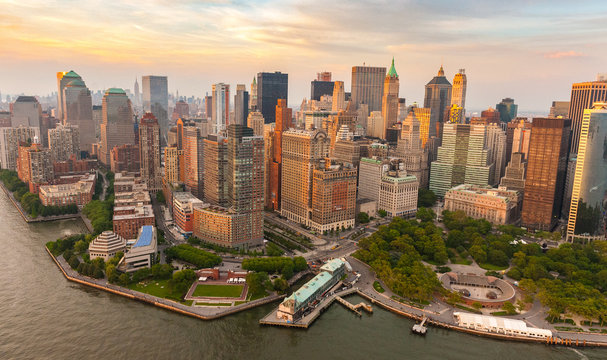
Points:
(160, 197)
(124, 279)
(425, 214)
(425, 198)
(362, 217)
(382, 213)
(80, 246)
(509, 308)
(280, 284)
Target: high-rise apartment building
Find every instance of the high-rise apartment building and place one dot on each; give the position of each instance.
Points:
(507, 109)
(368, 86)
(438, 100)
(10, 138)
(546, 171)
(117, 126)
(149, 152)
(215, 186)
(35, 166)
(587, 207)
(173, 165)
(339, 96)
(283, 116)
(518, 133)
(241, 105)
(125, 158)
(63, 142)
(193, 160)
(301, 150)
(255, 121)
(156, 101)
(220, 112)
(389, 108)
(369, 178)
(583, 95)
(463, 158)
(424, 117)
(458, 93)
(270, 88)
(78, 111)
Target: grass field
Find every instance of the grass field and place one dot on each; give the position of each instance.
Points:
(492, 267)
(158, 288)
(203, 290)
(212, 304)
(378, 287)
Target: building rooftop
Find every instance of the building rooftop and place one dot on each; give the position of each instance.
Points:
(71, 74)
(117, 91)
(76, 82)
(309, 288)
(392, 71)
(23, 98)
(332, 265)
(145, 236)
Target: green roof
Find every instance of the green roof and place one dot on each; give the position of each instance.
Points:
(115, 91)
(392, 71)
(332, 265)
(71, 74)
(76, 82)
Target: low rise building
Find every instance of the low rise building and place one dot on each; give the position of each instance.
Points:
(106, 245)
(495, 205)
(222, 226)
(143, 253)
(79, 193)
(499, 325)
(127, 220)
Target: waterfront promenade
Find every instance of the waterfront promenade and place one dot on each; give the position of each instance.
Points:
(27, 218)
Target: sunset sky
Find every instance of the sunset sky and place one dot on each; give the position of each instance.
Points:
(529, 50)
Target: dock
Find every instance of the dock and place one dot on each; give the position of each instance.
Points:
(420, 328)
(354, 308)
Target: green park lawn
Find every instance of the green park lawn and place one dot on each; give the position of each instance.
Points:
(203, 290)
(487, 266)
(212, 304)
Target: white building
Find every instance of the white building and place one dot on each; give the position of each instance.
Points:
(398, 193)
(106, 245)
(499, 325)
(143, 253)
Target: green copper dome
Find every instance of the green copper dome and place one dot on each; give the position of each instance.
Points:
(71, 74)
(115, 91)
(76, 82)
(392, 71)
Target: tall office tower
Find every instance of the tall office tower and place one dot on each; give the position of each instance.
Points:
(339, 96)
(375, 125)
(333, 196)
(64, 141)
(489, 116)
(268, 139)
(507, 109)
(156, 101)
(410, 149)
(220, 111)
(215, 186)
(26, 111)
(424, 116)
(97, 120)
(255, 122)
(253, 98)
(194, 163)
(546, 170)
(283, 118)
(458, 94)
(319, 87)
(63, 78)
(149, 152)
(10, 137)
(559, 108)
(389, 107)
(587, 208)
(245, 180)
(137, 96)
(336, 123)
(117, 126)
(181, 111)
(398, 192)
(35, 166)
(241, 105)
(323, 76)
(78, 111)
(301, 149)
(514, 178)
(403, 109)
(438, 100)
(270, 88)
(208, 106)
(368, 86)
(583, 95)
(463, 158)
(456, 114)
(496, 142)
(522, 128)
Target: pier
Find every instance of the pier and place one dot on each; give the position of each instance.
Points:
(420, 328)
(354, 308)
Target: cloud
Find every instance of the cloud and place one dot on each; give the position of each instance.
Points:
(563, 54)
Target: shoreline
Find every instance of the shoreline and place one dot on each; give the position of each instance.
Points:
(196, 312)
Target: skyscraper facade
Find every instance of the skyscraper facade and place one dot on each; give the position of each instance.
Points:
(333, 196)
(496, 142)
(10, 137)
(241, 105)
(78, 111)
(64, 141)
(368, 86)
(220, 111)
(546, 171)
(156, 101)
(193, 153)
(149, 152)
(255, 122)
(411, 151)
(389, 108)
(270, 88)
(463, 158)
(253, 98)
(63, 78)
(216, 171)
(583, 95)
(26, 111)
(587, 208)
(283, 116)
(339, 96)
(460, 84)
(507, 109)
(117, 126)
(438, 100)
(319, 88)
(514, 178)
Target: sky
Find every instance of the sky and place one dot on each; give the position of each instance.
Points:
(529, 50)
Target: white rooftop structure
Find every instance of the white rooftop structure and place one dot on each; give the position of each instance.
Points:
(499, 325)
(106, 245)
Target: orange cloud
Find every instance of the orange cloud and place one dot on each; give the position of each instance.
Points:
(563, 54)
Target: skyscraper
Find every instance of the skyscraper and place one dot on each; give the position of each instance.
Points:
(26, 111)
(136, 91)
(220, 110)
(507, 109)
(559, 108)
(253, 98)
(583, 95)
(255, 122)
(339, 96)
(411, 151)
(10, 137)
(496, 142)
(63, 78)
(546, 171)
(368, 86)
(321, 86)
(156, 101)
(216, 170)
(117, 126)
(587, 209)
(438, 100)
(193, 152)
(283, 116)
(149, 152)
(333, 196)
(463, 158)
(270, 88)
(241, 105)
(78, 111)
(389, 108)
(514, 178)
(64, 141)
(460, 83)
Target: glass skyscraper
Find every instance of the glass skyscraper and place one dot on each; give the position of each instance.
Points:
(270, 88)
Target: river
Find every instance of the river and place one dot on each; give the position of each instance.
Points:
(43, 316)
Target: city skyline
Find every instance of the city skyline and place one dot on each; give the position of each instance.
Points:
(502, 47)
